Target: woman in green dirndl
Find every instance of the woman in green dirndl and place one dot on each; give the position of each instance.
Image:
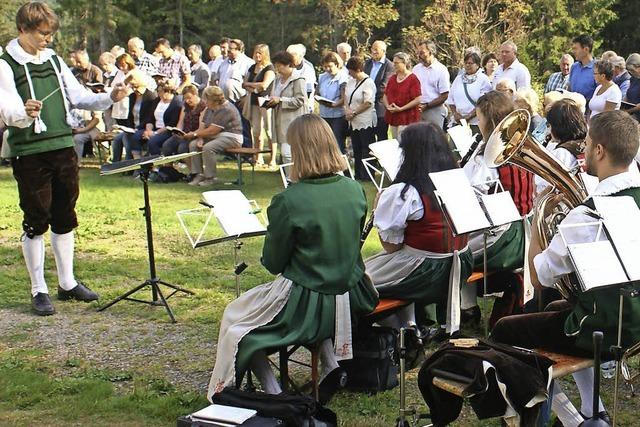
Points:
(312, 245)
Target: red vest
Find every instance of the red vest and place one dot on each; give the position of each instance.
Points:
(520, 184)
(431, 232)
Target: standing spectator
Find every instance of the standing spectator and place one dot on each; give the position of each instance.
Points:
(331, 86)
(490, 65)
(215, 57)
(147, 63)
(360, 112)
(466, 89)
(344, 51)
(633, 93)
(220, 128)
(621, 76)
(401, 96)
(107, 63)
(166, 113)
(173, 65)
(85, 71)
(200, 73)
(217, 63)
(288, 100)
(581, 77)
(379, 69)
(434, 84)
(232, 71)
(560, 79)
(304, 69)
(607, 95)
(189, 122)
(608, 55)
(511, 67)
(259, 83)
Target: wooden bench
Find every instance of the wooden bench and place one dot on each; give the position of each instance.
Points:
(99, 139)
(239, 153)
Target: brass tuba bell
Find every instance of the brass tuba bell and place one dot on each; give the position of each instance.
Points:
(511, 142)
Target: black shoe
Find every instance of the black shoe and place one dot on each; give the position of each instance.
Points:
(41, 305)
(470, 315)
(80, 293)
(603, 415)
(437, 335)
(333, 382)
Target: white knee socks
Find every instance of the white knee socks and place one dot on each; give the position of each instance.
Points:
(328, 358)
(584, 381)
(62, 245)
(260, 367)
(33, 251)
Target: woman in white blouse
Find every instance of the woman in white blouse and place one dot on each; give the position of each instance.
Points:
(466, 89)
(419, 250)
(607, 96)
(359, 106)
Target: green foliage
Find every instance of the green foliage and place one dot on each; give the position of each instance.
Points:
(8, 10)
(621, 34)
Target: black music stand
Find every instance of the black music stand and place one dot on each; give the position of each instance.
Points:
(145, 166)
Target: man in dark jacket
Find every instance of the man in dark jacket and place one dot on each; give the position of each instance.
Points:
(379, 69)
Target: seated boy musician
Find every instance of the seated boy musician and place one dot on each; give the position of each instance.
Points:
(611, 145)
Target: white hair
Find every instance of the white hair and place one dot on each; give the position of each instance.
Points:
(380, 43)
(619, 62)
(297, 49)
(568, 57)
(511, 45)
(137, 41)
(343, 46)
(508, 83)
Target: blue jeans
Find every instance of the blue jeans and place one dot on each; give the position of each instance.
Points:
(116, 148)
(156, 142)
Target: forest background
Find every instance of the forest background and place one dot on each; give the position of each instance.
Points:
(542, 29)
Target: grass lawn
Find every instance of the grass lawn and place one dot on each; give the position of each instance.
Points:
(129, 366)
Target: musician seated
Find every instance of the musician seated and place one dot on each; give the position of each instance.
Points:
(611, 145)
(312, 244)
(505, 246)
(419, 250)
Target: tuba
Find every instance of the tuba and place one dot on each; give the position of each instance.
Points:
(511, 142)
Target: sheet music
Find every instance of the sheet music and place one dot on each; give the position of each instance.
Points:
(596, 264)
(389, 156)
(501, 208)
(462, 138)
(234, 212)
(229, 414)
(460, 201)
(621, 218)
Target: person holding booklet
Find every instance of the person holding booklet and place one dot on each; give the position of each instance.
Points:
(419, 249)
(611, 144)
(312, 245)
(331, 86)
(220, 128)
(166, 114)
(505, 246)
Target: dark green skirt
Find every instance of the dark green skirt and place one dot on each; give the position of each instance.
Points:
(507, 253)
(307, 318)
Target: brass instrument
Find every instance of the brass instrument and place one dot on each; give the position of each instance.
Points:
(511, 142)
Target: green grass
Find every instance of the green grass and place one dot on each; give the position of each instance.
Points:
(111, 257)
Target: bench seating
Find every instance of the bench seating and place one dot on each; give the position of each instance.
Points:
(239, 153)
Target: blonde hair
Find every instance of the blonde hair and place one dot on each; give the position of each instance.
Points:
(213, 94)
(313, 148)
(551, 97)
(527, 98)
(264, 50)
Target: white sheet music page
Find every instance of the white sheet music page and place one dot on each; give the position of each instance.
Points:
(229, 414)
(389, 156)
(460, 201)
(462, 138)
(501, 208)
(597, 264)
(621, 217)
(233, 211)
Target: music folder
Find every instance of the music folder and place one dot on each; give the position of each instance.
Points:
(469, 210)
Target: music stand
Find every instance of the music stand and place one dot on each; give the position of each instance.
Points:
(145, 166)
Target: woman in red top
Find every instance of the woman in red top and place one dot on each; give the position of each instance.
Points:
(401, 96)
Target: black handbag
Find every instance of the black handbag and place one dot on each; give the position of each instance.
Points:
(294, 410)
(374, 365)
(256, 421)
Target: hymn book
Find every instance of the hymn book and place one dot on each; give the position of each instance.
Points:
(175, 130)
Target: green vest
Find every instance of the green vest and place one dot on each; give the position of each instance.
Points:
(598, 310)
(25, 141)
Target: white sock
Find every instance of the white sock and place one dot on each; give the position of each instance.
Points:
(328, 358)
(468, 296)
(33, 252)
(563, 408)
(62, 245)
(584, 381)
(260, 367)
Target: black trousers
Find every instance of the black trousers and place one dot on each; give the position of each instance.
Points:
(360, 140)
(48, 186)
(382, 129)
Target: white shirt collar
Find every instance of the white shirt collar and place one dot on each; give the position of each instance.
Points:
(513, 64)
(22, 57)
(616, 183)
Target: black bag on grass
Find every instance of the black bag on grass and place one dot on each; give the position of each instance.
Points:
(374, 365)
(294, 410)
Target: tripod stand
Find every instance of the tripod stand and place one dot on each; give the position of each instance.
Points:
(157, 297)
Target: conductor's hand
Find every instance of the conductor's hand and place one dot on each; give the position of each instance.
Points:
(32, 107)
(119, 92)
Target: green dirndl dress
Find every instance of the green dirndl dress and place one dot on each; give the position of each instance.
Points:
(506, 253)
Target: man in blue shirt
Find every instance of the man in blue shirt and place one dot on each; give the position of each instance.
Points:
(581, 78)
